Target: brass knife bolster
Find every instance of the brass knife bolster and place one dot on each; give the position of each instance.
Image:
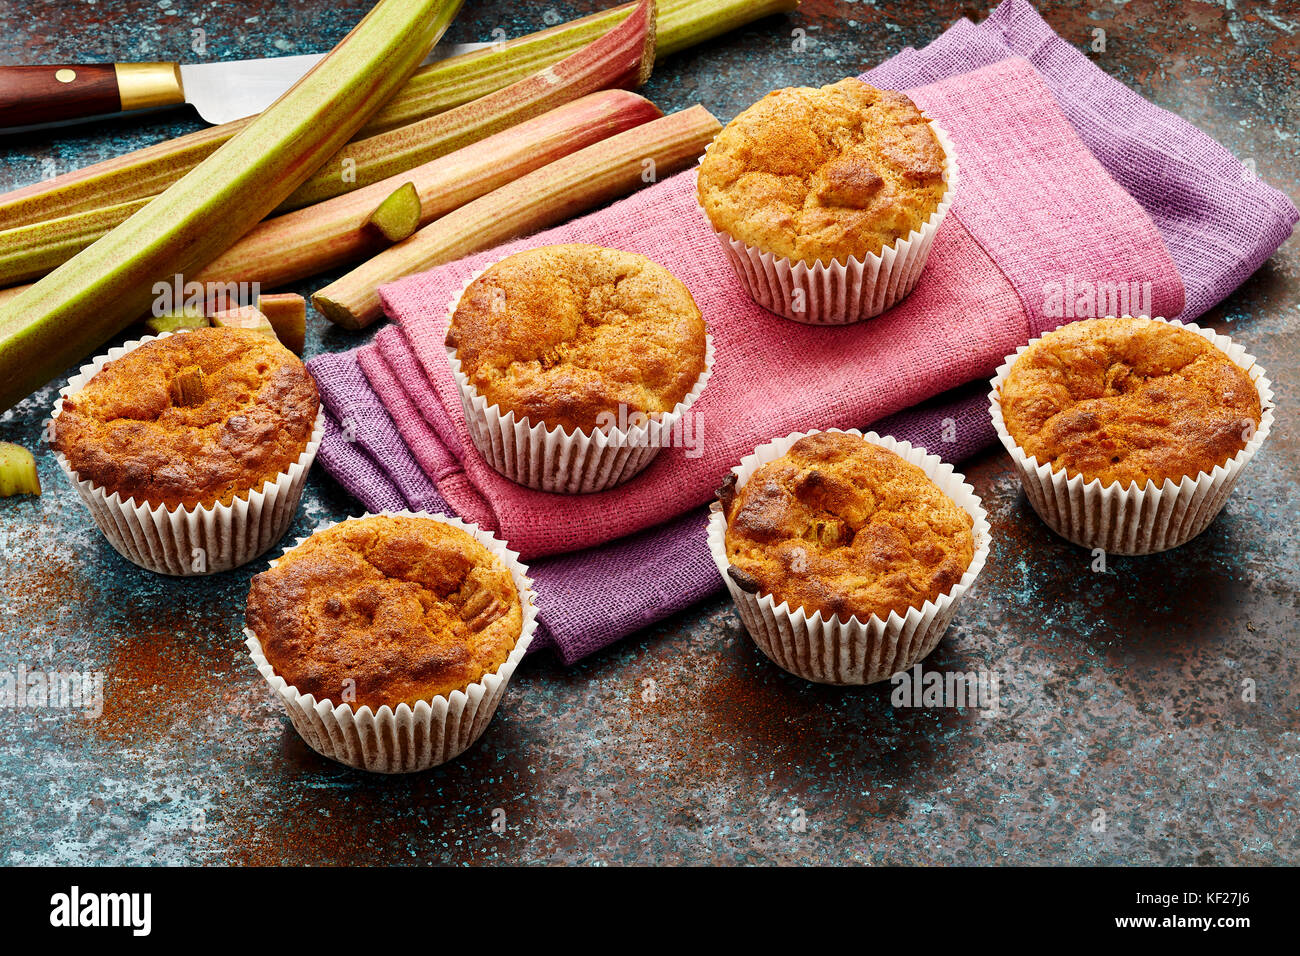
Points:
(143, 86)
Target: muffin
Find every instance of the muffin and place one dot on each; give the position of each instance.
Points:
(392, 630)
(595, 352)
(1129, 432)
(191, 448)
(192, 419)
(1128, 400)
(826, 200)
(846, 553)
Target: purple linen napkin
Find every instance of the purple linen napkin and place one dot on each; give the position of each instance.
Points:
(1219, 221)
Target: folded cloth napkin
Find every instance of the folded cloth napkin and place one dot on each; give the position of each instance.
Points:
(594, 597)
(1219, 221)
(597, 596)
(981, 295)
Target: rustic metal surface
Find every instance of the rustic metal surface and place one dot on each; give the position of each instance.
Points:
(1124, 735)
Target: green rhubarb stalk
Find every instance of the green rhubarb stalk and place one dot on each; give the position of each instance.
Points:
(29, 252)
(141, 174)
(458, 80)
(243, 317)
(330, 234)
(398, 215)
(287, 313)
(685, 23)
(94, 295)
(187, 317)
(17, 471)
(434, 89)
(544, 197)
(621, 58)
(462, 79)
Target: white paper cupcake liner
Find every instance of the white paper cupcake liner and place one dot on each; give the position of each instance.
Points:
(835, 651)
(200, 539)
(407, 739)
(839, 293)
(553, 459)
(1133, 520)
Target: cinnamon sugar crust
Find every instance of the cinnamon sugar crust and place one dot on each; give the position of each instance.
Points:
(816, 175)
(571, 334)
(845, 527)
(386, 610)
(1130, 400)
(195, 418)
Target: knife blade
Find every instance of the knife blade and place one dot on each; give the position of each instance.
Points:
(40, 97)
(221, 95)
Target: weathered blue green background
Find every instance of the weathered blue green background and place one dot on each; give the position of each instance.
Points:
(1121, 692)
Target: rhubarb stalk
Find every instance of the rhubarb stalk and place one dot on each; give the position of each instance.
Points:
(398, 215)
(544, 197)
(184, 318)
(331, 234)
(287, 313)
(98, 292)
(17, 471)
(31, 251)
(458, 80)
(188, 388)
(434, 89)
(243, 317)
(141, 174)
(621, 58)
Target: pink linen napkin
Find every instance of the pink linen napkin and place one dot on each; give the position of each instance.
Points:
(1035, 213)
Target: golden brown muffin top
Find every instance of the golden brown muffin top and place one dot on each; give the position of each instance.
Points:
(385, 610)
(845, 527)
(821, 174)
(1128, 400)
(191, 419)
(567, 334)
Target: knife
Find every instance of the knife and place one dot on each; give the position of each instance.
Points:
(34, 97)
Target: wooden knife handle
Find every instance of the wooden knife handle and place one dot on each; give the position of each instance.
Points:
(49, 94)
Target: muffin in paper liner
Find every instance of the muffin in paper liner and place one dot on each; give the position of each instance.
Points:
(202, 539)
(840, 293)
(554, 459)
(846, 652)
(407, 739)
(1129, 519)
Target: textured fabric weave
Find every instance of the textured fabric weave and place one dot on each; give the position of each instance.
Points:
(1219, 221)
